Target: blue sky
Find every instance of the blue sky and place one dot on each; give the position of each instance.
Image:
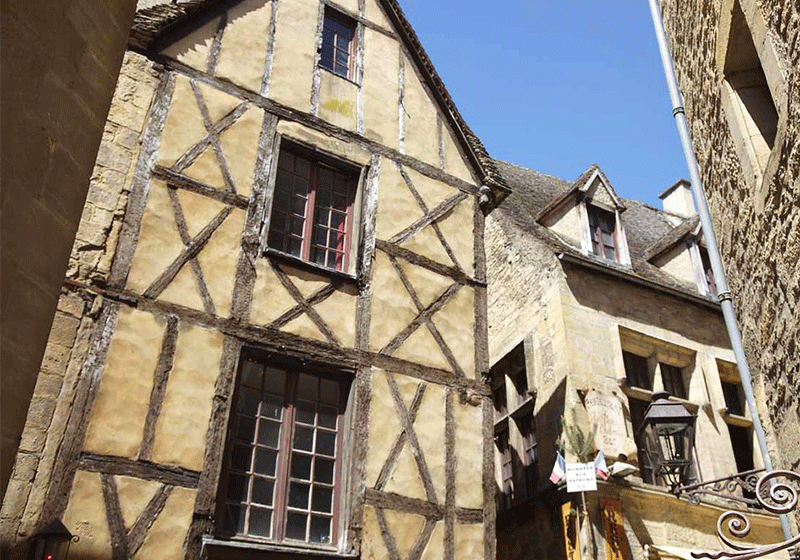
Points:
(559, 85)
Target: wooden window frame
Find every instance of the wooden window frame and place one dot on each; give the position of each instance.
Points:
(505, 498)
(635, 373)
(530, 455)
(351, 175)
(334, 16)
(282, 478)
(596, 216)
(673, 381)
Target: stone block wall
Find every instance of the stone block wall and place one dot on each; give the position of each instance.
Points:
(758, 225)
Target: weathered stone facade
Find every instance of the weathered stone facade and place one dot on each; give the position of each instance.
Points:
(756, 216)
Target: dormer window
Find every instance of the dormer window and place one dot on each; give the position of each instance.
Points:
(602, 227)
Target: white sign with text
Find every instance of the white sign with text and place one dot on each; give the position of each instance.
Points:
(581, 477)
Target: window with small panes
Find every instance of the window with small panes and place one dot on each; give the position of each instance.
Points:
(282, 471)
(602, 228)
(338, 44)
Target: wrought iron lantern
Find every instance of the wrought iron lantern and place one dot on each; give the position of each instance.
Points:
(52, 542)
(669, 435)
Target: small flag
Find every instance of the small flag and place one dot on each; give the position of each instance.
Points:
(559, 469)
(600, 465)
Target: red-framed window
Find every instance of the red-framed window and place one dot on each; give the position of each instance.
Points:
(283, 460)
(530, 457)
(338, 44)
(637, 371)
(506, 494)
(312, 209)
(602, 227)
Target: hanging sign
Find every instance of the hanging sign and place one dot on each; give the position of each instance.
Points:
(581, 477)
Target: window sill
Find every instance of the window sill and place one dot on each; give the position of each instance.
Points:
(291, 260)
(735, 419)
(234, 549)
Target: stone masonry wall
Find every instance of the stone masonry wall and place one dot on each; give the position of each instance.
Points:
(758, 226)
(90, 262)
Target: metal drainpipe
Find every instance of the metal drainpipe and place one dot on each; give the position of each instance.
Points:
(698, 193)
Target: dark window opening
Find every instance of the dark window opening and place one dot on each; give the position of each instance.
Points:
(602, 225)
(520, 381)
(312, 210)
(672, 377)
(638, 409)
(506, 494)
(283, 461)
(733, 398)
(338, 40)
(637, 372)
(711, 284)
(742, 443)
(530, 457)
(499, 397)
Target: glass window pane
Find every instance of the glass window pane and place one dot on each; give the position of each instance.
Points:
(305, 412)
(327, 416)
(234, 519)
(320, 529)
(303, 438)
(248, 401)
(286, 161)
(271, 406)
(252, 373)
(302, 167)
(329, 391)
(297, 226)
(298, 495)
(322, 499)
(246, 428)
(323, 470)
(240, 458)
(275, 380)
(298, 205)
(320, 236)
(266, 460)
(326, 443)
(269, 432)
(342, 57)
(296, 526)
(301, 466)
(308, 387)
(262, 491)
(237, 487)
(318, 256)
(260, 522)
(295, 246)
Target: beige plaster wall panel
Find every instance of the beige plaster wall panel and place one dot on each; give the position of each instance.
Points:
(159, 242)
(426, 243)
(468, 541)
(307, 282)
(304, 327)
(243, 51)
(566, 222)
(86, 517)
(455, 162)
(384, 426)
(397, 208)
(469, 456)
(218, 260)
(180, 435)
(405, 528)
(270, 299)
(193, 49)
(421, 130)
(677, 262)
(198, 210)
(430, 433)
(376, 15)
(431, 191)
(422, 348)
(427, 284)
(435, 548)
(345, 150)
(456, 323)
(457, 228)
(165, 539)
(372, 547)
(240, 143)
(339, 312)
(206, 169)
(349, 5)
(293, 54)
(118, 415)
(184, 125)
(381, 89)
(405, 478)
(217, 101)
(183, 290)
(337, 100)
(407, 387)
(134, 494)
(388, 293)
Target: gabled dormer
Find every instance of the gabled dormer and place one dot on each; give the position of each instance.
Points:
(587, 216)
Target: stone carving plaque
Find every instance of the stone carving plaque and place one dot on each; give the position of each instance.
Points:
(606, 411)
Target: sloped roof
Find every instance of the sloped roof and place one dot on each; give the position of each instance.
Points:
(644, 225)
(155, 22)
